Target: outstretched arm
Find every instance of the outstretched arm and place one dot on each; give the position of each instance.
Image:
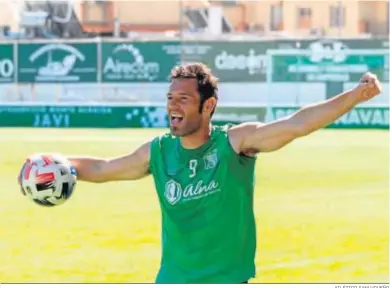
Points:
(251, 138)
(128, 167)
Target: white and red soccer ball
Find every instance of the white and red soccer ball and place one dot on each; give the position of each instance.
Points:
(47, 179)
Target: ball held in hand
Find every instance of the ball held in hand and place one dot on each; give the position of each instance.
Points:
(47, 179)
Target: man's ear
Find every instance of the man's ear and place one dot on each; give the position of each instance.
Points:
(209, 105)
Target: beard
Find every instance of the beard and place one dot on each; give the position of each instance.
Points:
(186, 128)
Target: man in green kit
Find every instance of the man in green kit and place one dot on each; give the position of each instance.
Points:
(204, 175)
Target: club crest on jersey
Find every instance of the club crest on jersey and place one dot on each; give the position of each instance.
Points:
(210, 160)
(172, 192)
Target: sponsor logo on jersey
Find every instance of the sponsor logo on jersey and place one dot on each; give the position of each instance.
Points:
(174, 192)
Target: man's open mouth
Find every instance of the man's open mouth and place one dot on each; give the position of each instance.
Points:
(176, 118)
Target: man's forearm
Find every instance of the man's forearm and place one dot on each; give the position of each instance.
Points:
(318, 115)
(88, 169)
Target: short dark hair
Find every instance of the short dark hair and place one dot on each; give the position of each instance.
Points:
(207, 82)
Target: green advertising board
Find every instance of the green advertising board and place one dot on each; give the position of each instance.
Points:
(136, 62)
(230, 61)
(57, 62)
(359, 117)
(246, 61)
(7, 63)
(238, 61)
(235, 115)
(155, 116)
(327, 66)
(83, 116)
(132, 61)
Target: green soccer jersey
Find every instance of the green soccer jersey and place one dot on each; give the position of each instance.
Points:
(206, 199)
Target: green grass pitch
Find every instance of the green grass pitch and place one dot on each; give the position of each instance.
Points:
(321, 204)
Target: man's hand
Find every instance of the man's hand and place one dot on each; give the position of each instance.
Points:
(368, 87)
